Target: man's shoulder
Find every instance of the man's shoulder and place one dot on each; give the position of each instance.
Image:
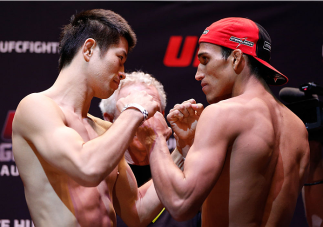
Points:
(224, 116)
(245, 106)
(34, 99)
(236, 113)
(232, 107)
(36, 107)
(36, 103)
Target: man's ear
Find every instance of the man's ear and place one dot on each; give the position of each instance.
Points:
(108, 117)
(238, 61)
(87, 49)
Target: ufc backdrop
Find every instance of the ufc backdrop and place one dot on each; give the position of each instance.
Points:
(167, 35)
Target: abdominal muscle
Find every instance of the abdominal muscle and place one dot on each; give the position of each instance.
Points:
(93, 206)
(57, 200)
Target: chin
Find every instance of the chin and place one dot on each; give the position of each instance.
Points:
(108, 94)
(212, 100)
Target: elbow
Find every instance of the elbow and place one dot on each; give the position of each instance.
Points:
(137, 224)
(179, 216)
(90, 176)
(183, 216)
(91, 182)
(180, 211)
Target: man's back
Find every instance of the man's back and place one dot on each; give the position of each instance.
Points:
(264, 166)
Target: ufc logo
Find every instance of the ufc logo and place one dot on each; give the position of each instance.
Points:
(174, 59)
(7, 128)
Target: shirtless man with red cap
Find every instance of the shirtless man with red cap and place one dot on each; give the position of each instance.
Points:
(247, 154)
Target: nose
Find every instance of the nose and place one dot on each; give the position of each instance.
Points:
(121, 68)
(199, 75)
(122, 75)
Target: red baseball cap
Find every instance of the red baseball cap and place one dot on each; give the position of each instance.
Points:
(244, 34)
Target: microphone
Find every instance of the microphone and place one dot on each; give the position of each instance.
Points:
(290, 94)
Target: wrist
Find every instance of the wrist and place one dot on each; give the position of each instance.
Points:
(184, 144)
(137, 107)
(183, 147)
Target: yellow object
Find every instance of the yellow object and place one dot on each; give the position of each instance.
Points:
(158, 215)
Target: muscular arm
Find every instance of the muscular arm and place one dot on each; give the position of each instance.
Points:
(139, 206)
(183, 193)
(313, 194)
(136, 206)
(43, 125)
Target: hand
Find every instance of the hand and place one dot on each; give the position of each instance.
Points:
(183, 120)
(155, 127)
(142, 98)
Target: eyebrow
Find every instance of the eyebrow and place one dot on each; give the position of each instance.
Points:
(200, 54)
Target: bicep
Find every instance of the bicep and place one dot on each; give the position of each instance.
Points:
(206, 158)
(41, 124)
(60, 146)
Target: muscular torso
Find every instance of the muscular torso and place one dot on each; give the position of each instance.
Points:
(53, 198)
(263, 170)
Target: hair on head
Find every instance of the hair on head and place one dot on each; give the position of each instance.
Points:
(104, 26)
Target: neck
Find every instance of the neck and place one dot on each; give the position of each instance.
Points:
(71, 90)
(247, 83)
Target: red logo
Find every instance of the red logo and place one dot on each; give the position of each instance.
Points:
(172, 57)
(7, 128)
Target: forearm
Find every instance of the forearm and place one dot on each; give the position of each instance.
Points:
(313, 199)
(136, 206)
(102, 154)
(172, 186)
(148, 204)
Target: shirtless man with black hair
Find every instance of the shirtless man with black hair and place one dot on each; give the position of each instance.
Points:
(247, 154)
(72, 164)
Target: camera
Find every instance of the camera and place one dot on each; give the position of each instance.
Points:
(304, 102)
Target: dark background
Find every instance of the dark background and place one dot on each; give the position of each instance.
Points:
(295, 29)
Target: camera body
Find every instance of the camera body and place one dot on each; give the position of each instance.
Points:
(305, 103)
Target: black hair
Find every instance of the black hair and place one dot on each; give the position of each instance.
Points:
(256, 68)
(104, 26)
